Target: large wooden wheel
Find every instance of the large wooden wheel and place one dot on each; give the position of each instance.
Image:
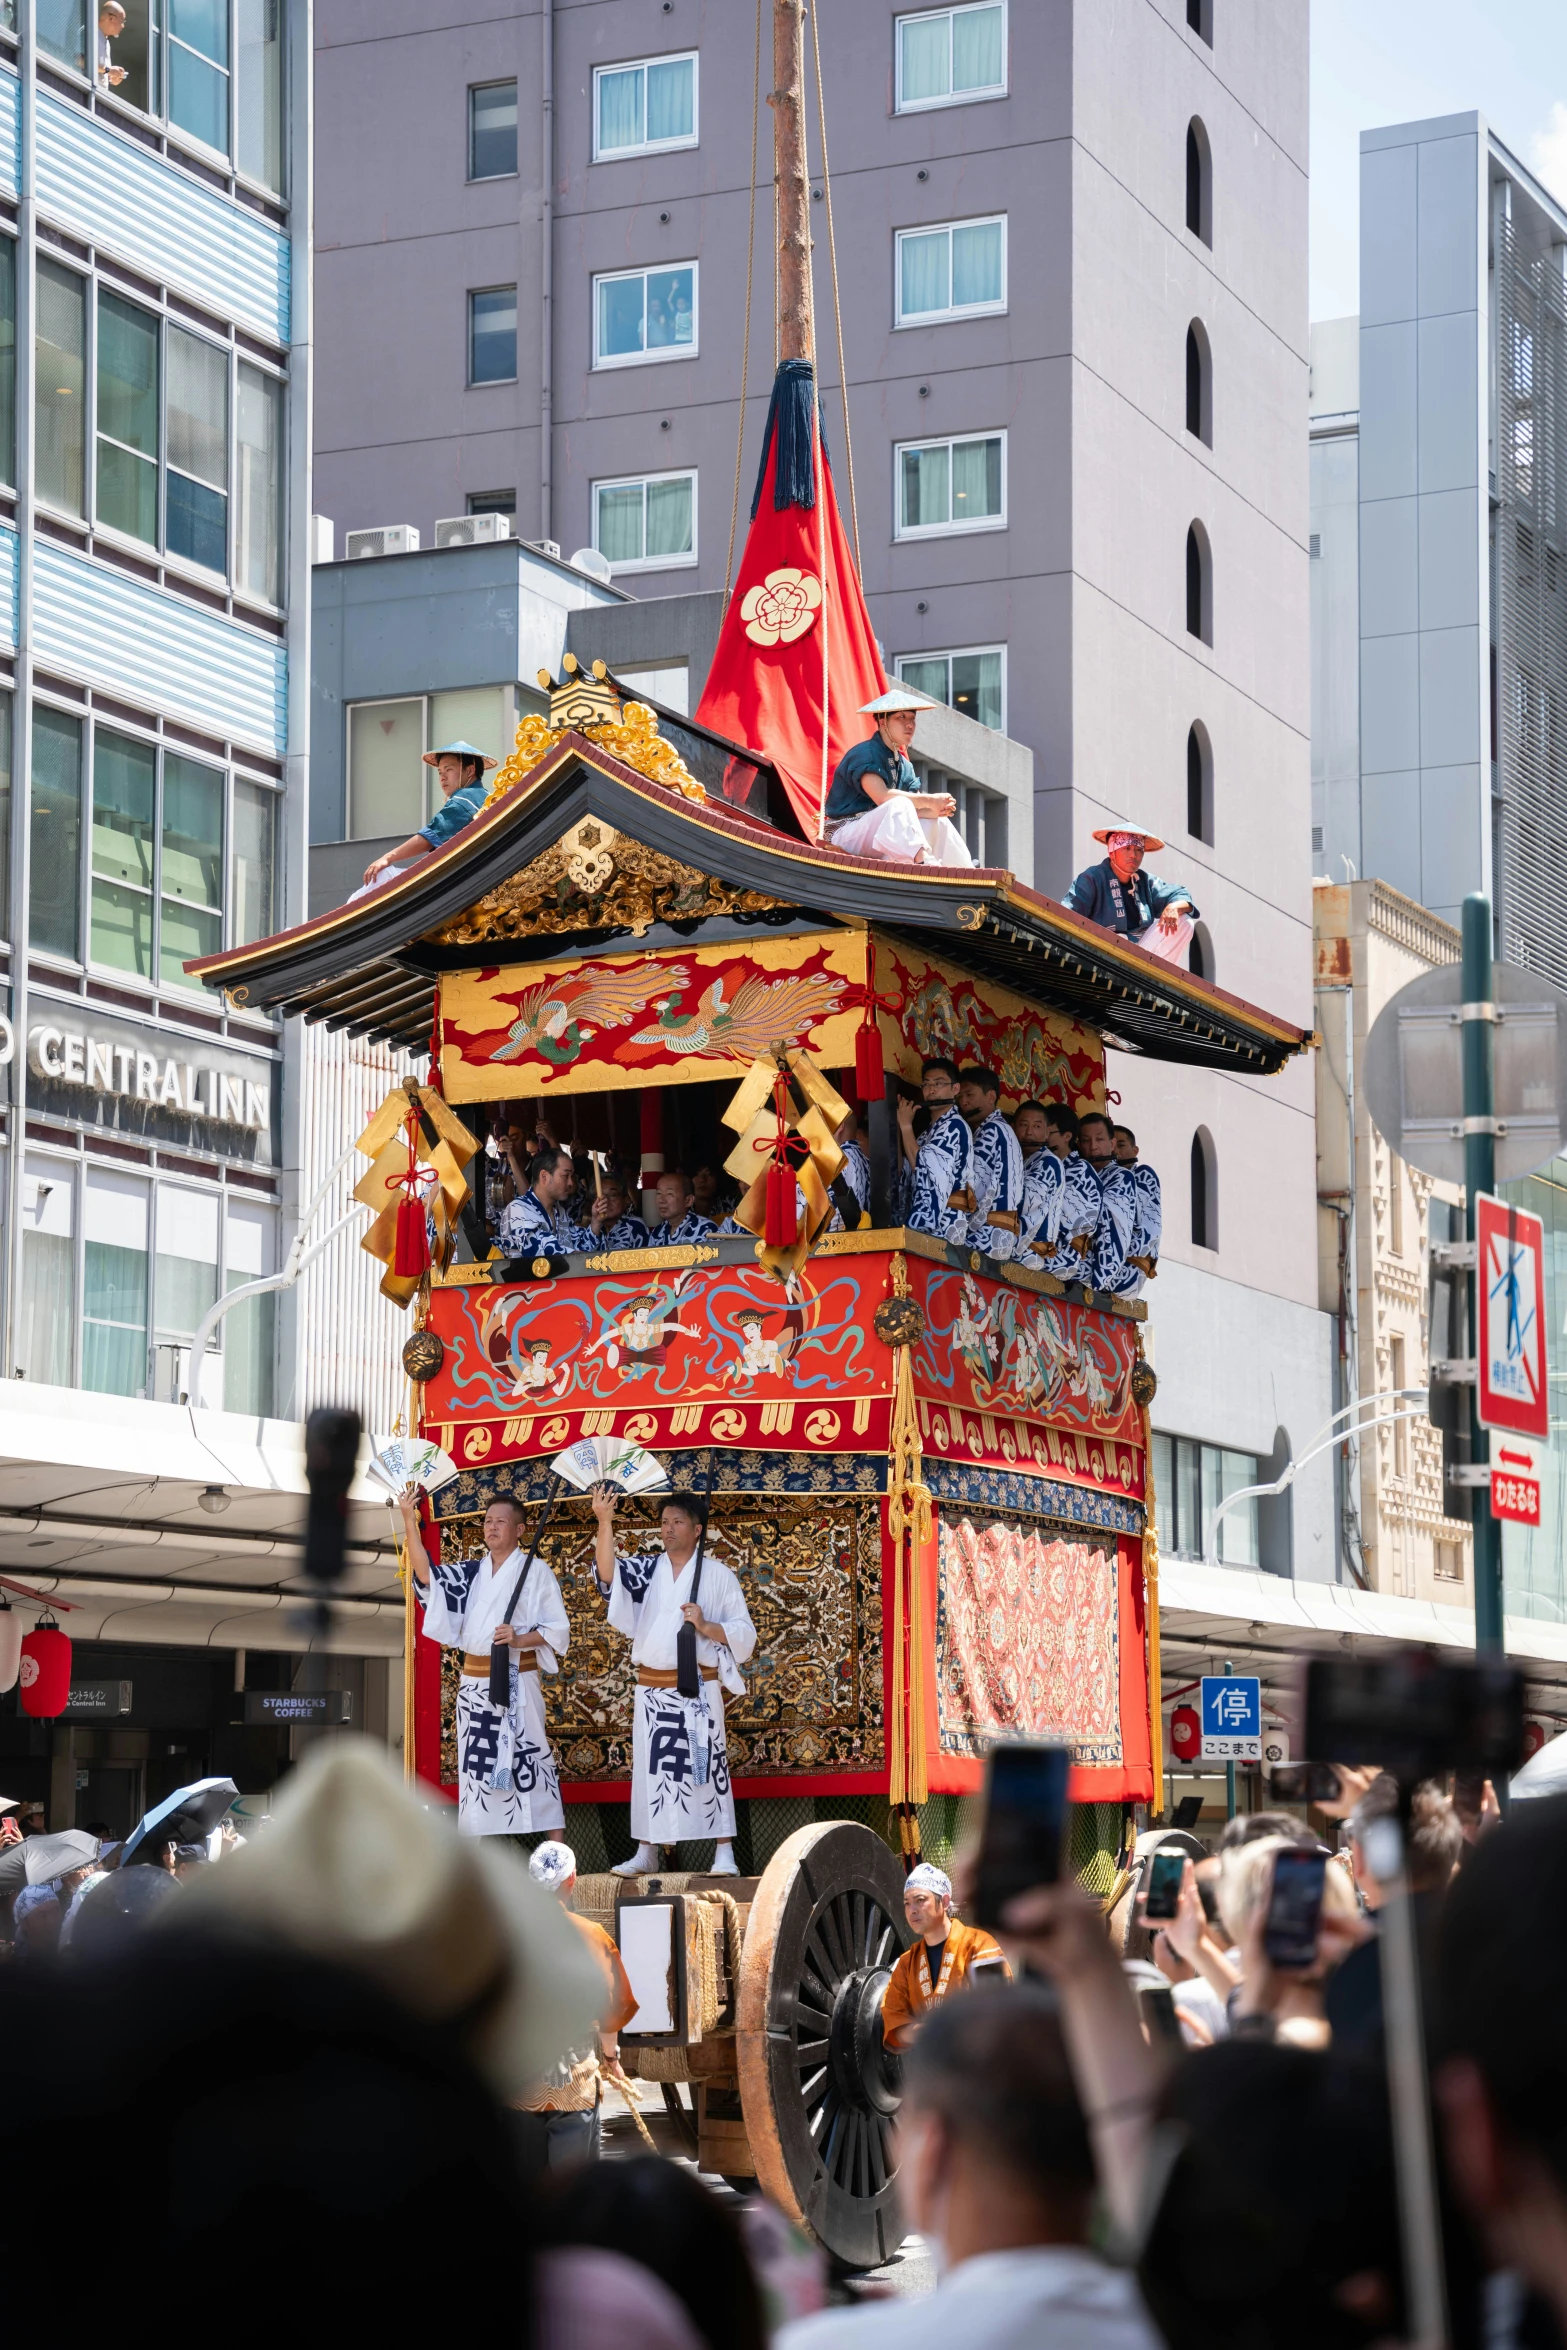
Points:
(818, 2089)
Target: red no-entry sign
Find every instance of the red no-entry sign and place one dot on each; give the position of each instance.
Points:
(1510, 1339)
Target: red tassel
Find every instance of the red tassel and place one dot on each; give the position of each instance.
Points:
(411, 1249)
(870, 1075)
(781, 1226)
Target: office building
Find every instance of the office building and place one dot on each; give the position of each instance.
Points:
(154, 733)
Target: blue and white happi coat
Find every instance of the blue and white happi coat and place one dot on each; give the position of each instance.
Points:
(529, 1229)
(1044, 1191)
(945, 1164)
(1081, 1201)
(625, 1232)
(680, 1787)
(856, 1174)
(998, 1183)
(691, 1227)
(507, 1781)
(1107, 1267)
(1147, 1227)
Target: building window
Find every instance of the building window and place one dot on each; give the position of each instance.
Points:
(1400, 1427)
(492, 130)
(1395, 1212)
(166, 405)
(46, 1321)
(1199, 19)
(644, 524)
(1199, 383)
(492, 502)
(1199, 584)
(1205, 1191)
(1199, 182)
(973, 682)
(1199, 954)
(956, 271)
(55, 835)
(182, 858)
(1190, 1481)
(645, 314)
(948, 486)
(8, 361)
(946, 55)
(390, 790)
(147, 1261)
(645, 106)
(492, 335)
(61, 426)
(1199, 784)
(180, 68)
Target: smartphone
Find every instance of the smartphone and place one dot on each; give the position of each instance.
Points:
(1159, 2014)
(1289, 1935)
(1025, 1825)
(1165, 1871)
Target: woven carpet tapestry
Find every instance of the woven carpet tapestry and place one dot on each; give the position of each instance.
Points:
(1028, 1635)
(810, 1568)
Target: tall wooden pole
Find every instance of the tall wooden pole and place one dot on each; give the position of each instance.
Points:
(796, 323)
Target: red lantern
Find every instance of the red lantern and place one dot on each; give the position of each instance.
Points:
(1185, 1733)
(1533, 1739)
(45, 1676)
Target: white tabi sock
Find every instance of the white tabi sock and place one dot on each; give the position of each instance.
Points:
(642, 1863)
(724, 1864)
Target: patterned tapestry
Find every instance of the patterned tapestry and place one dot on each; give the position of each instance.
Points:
(810, 1568)
(1027, 1635)
(1037, 1055)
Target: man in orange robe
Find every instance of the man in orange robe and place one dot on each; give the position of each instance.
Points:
(945, 1956)
(558, 2119)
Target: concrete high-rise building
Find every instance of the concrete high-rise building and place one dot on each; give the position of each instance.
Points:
(1438, 518)
(1071, 272)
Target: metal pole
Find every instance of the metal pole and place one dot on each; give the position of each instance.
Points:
(1229, 1768)
(1420, 2223)
(1478, 1013)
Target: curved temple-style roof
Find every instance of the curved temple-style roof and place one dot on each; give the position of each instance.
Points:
(370, 967)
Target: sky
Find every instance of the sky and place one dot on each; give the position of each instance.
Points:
(1382, 61)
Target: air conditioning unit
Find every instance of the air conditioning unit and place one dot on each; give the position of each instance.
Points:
(473, 530)
(550, 547)
(394, 538)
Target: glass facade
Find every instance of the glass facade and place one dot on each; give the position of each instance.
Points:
(1190, 1481)
(211, 70)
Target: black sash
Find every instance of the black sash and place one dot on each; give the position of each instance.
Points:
(688, 1677)
(500, 1653)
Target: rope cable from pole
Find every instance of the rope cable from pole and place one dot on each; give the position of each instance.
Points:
(750, 270)
(837, 308)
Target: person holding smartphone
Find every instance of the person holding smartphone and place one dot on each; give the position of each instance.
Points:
(943, 1957)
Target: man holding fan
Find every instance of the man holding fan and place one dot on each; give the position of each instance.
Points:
(680, 1788)
(506, 1601)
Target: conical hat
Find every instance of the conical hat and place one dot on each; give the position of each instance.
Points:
(1150, 840)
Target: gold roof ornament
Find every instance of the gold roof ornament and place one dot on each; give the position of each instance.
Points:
(587, 702)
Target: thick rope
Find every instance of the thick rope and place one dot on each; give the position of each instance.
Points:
(750, 267)
(837, 308)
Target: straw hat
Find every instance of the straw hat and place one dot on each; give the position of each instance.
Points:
(1150, 840)
(899, 697)
(357, 1871)
(462, 751)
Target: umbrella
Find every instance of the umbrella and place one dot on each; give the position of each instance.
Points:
(185, 1817)
(1544, 1773)
(40, 1859)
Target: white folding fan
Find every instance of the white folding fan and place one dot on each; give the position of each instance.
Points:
(404, 1462)
(609, 1460)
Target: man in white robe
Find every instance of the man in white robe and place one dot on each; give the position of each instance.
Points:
(876, 807)
(508, 1783)
(680, 1788)
(1142, 1256)
(998, 1166)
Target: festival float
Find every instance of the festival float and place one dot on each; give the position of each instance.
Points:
(930, 1470)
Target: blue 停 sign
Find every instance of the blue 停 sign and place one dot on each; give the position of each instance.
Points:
(1231, 1712)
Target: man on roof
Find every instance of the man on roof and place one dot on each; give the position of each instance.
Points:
(1155, 915)
(876, 808)
(460, 769)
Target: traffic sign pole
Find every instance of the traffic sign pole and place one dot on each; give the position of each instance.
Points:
(1477, 1011)
(1229, 1769)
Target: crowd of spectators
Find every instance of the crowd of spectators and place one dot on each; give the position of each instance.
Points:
(337, 2035)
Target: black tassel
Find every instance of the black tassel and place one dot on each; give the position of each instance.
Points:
(791, 414)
